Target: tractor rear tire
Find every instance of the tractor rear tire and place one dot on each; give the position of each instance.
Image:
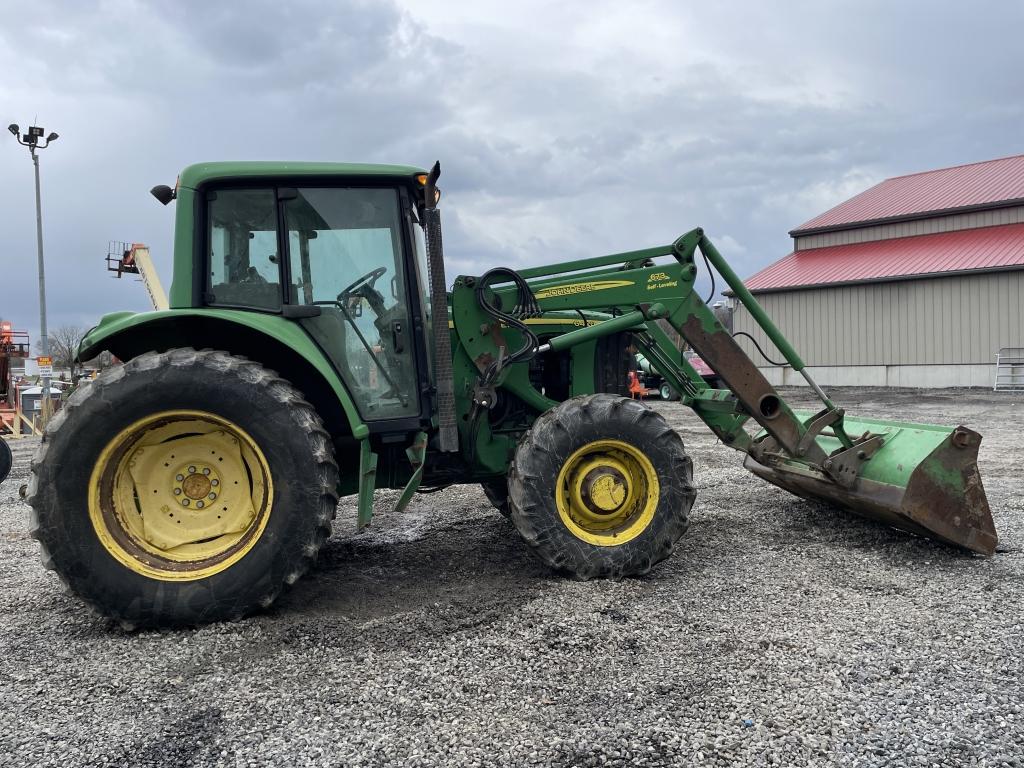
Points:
(182, 488)
(600, 487)
(496, 492)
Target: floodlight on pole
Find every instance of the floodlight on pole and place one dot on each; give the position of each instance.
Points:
(31, 139)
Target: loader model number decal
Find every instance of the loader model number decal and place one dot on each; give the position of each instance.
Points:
(574, 288)
(660, 280)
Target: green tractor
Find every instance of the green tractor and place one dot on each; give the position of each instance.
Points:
(312, 349)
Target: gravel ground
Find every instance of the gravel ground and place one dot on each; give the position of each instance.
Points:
(781, 633)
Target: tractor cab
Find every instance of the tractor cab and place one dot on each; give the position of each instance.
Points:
(335, 249)
(337, 260)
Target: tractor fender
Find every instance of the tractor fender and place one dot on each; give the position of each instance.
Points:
(268, 339)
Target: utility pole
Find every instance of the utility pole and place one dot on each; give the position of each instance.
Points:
(32, 141)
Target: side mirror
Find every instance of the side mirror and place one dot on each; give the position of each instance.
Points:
(163, 193)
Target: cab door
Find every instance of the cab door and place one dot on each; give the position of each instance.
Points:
(346, 254)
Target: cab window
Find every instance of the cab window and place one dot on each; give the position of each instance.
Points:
(345, 254)
(242, 241)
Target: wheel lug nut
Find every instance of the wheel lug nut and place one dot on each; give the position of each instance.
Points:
(206, 471)
(179, 478)
(177, 491)
(200, 504)
(191, 470)
(215, 483)
(213, 496)
(185, 502)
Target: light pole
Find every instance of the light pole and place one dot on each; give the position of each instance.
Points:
(32, 141)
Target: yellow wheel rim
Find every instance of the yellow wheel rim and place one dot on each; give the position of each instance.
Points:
(607, 493)
(180, 495)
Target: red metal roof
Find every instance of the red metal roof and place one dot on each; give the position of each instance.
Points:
(987, 248)
(964, 186)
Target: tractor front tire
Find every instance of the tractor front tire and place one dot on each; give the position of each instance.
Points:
(181, 488)
(600, 487)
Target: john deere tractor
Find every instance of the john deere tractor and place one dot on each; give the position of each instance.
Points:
(312, 348)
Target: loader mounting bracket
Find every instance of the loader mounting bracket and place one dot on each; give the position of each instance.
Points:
(416, 454)
(844, 466)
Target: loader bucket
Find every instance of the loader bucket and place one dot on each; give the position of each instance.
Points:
(923, 479)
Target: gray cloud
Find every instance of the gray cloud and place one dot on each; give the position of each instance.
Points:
(564, 130)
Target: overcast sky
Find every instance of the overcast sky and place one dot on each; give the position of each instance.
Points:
(564, 129)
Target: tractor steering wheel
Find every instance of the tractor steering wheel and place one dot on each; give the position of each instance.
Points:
(368, 280)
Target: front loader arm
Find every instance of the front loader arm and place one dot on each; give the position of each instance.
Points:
(921, 478)
(628, 284)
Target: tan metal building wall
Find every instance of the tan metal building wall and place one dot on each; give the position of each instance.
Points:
(961, 320)
(929, 226)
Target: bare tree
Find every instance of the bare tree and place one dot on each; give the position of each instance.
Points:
(64, 343)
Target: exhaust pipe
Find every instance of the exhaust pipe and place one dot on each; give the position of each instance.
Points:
(448, 430)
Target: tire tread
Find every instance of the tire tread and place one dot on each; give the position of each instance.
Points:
(538, 458)
(306, 422)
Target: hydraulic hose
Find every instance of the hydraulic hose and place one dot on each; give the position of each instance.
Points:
(525, 306)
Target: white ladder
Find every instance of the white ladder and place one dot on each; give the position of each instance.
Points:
(1009, 370)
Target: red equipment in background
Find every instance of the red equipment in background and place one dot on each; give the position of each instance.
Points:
(14, 345)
